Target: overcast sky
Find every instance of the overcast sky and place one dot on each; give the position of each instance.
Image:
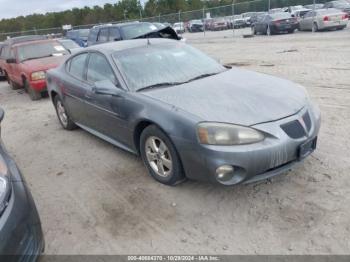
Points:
(14, 8)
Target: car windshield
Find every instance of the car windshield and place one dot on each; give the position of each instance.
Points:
(136, 30)
(40, 50)
(84, 33)
(281, 16)
(166, 64)
(69, 44)
(328, 11)
(341, 4)
(297, 7)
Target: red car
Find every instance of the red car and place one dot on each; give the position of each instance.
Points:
(29, 62)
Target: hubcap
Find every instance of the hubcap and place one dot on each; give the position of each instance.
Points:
(158, 156)
(62, 113)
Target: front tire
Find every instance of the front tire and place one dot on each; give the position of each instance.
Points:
(160, 157)
(33, 94)
(62, 114)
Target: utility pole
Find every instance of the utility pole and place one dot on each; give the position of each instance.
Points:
(204, 20)
(125, 12)
(233, 18)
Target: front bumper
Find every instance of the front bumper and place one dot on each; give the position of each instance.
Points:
(39, 85)
(278, 153)
(21, 236)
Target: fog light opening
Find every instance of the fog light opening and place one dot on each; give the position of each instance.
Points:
(225, 173)
(229, 175)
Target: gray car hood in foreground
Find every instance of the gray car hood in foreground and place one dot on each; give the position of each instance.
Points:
(236, 96)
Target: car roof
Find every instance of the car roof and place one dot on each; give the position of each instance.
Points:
(35, 42)
(112, 47)
(120, 25)
(27, 38)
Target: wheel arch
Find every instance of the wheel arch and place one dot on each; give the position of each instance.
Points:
(140, 126)
(53, 94)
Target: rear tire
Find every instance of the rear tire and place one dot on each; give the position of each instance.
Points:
(268, 30)
(62, 114)
(13, 85)
(33, 94)
(160, 157)
(253, 30)
(314, 27)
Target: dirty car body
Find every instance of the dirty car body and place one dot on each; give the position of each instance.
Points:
(228, 126)
(21, 236)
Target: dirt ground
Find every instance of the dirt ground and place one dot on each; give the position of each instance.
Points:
(94, 198)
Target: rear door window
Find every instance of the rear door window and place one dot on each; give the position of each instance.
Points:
(5, 52)
(114, 34)
(76, 66)
(103, 35)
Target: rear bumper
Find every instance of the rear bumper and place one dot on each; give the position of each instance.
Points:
(21, 236)
(283, 28)
(197, 28)
(39, 85)
(332, 24)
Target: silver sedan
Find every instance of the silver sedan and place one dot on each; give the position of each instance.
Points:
(324, 19)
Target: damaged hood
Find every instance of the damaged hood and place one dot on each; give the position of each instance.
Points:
(166, 32)
(235, 96)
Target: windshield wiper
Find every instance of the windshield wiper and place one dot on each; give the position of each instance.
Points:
(200, 77)
(165, 84)
(159, 85)
(33, 58)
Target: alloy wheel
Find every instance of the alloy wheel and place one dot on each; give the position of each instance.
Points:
(158, 156)
(61, 112)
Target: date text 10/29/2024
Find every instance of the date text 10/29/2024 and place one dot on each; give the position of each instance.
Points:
(174, 258)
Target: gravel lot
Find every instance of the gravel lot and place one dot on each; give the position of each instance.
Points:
(94, 198)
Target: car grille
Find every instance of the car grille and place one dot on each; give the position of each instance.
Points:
(295, 129)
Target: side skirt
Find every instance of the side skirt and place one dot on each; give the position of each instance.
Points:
(107, 139)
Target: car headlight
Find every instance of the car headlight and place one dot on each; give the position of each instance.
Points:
(4, 185)
(227, 134)
(38, 75)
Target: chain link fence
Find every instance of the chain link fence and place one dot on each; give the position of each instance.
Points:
(230, 13)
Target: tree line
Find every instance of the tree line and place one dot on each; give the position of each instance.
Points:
(124, 10)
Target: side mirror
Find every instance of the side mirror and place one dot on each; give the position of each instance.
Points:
(11, 60)
(106, 87)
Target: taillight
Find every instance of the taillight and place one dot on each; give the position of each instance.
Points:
(326, 18)
(346, 16)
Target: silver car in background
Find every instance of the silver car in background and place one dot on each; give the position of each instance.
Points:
(324, 19)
